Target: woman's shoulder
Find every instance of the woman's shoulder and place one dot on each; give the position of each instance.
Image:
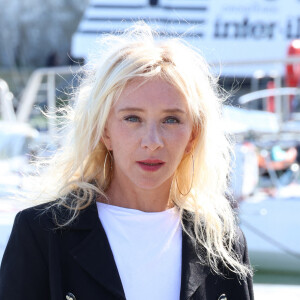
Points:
(39, 216)
(238, 239)
(47, 214)
(58, 215)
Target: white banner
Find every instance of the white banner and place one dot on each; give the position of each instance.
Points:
(224, 30)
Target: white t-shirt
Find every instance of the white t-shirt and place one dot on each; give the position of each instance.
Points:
(147, 250)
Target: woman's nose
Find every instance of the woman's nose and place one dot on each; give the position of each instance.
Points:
(152, 138)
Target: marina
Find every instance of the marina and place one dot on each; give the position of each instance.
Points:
(261, 116)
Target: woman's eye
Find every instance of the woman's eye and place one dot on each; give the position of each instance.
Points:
(171, 120)
(132, 119)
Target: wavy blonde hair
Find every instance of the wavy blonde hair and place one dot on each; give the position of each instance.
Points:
(81, 166)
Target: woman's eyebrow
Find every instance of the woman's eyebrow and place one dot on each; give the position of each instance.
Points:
(137, 109)
(125, 109)
(174, 110)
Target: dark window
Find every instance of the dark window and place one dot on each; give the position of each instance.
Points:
(153, 2)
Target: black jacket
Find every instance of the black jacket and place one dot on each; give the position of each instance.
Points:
(42, 262)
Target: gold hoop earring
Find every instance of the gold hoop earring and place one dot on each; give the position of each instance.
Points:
(104, 165)
(191, 182)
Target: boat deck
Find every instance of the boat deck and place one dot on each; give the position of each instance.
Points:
(276, 292)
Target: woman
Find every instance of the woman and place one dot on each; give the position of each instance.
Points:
(140, 183)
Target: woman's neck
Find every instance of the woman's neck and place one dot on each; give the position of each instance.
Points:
(153, 200)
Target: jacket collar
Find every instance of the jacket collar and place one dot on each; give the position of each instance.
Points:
(95, 247)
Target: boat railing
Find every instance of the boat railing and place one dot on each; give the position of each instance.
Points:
(279, 94)
(42, 79)
(6, 102)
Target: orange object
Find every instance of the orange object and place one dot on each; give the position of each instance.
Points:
(293, 70)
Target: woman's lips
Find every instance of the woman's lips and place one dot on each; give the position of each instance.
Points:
(151, 164)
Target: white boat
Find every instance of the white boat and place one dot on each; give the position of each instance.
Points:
(269, 210)
(16, 141)
(271, 225)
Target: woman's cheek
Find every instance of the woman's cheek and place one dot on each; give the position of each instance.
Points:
(128, 132)
(181, 135)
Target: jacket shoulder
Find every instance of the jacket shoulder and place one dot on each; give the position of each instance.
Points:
(46, 216)
(57, 216)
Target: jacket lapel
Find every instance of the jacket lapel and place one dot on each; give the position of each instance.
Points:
(94, 253)
(193, 274)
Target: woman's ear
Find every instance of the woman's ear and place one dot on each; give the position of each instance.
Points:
(191, 142)
(106, 139)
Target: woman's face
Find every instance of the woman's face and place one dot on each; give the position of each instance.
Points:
(148, 130)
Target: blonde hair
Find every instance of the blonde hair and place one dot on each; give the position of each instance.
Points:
(83, 165)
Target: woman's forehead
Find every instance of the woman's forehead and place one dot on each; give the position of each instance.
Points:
(155, 92)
